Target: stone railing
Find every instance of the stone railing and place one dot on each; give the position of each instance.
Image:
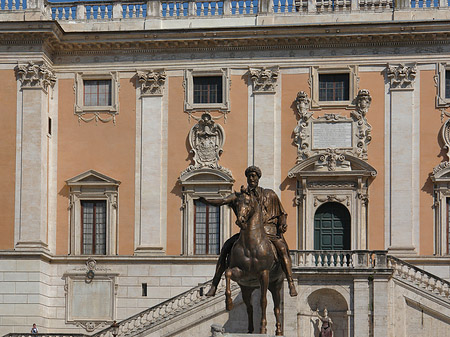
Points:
(339, 259)
(162, 312)
(419, 277)
(167, 9)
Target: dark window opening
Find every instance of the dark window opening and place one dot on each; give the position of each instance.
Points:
(93, 235)
(49, 126)
(97, 92)
(208, 89)
(144, 289)
(333, 87)
(206, 229)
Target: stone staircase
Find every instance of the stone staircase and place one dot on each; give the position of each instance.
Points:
(420, 279)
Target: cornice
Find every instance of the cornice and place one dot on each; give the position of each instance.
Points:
(312, 36)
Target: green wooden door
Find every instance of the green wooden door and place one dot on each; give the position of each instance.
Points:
(332, 227)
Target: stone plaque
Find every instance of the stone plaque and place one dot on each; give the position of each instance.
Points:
(92, 301)
(331, 135)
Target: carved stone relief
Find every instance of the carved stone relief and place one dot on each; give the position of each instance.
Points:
(206, 139)
(264, 79)
(352, 135)
(152, 82)
(33, 75)
(401, 76)
(331, 198)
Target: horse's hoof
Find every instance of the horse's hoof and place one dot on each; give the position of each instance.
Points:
(263, 331)
(279, 332)
(211, 292)
(228, 305)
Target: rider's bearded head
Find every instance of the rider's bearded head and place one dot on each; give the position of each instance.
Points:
(250, 173)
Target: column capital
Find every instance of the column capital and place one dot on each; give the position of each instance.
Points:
(401, 76)
(32, 75)
(264, 79)
(152, 82)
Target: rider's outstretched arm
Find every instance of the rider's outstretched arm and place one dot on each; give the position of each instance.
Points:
(219, 201)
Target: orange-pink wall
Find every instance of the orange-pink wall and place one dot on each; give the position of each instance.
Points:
(8, 99)
(104, 147)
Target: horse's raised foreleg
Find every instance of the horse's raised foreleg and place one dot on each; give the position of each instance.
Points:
(275, 289)
(228, 299)
(247, 297)
(264, 283)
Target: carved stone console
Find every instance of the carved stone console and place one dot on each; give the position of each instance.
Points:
(332, 167)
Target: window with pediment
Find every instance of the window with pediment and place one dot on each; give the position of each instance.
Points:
(93, 203)
(205, 227)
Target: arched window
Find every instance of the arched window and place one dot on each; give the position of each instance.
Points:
(332, 227)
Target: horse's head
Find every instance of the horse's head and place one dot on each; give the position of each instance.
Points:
(244, 207)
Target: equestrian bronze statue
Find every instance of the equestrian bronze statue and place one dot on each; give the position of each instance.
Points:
(258, 255)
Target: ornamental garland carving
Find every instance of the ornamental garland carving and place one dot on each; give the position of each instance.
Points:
(264, 79)
(331, 198)
(206, 139)
(358, 134)
(152, 82)
(401, 76)
(33, 75)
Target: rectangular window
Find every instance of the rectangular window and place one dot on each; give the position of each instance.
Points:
(93, 217)
(333, 87)
(447, 84)
(97, 92)
(206, 229)
(207, 89)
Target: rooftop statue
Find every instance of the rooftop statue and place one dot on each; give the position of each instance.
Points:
(262, 220)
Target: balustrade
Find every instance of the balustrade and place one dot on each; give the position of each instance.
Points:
(167, 9)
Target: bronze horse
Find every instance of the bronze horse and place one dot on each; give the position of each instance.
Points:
(253, 262)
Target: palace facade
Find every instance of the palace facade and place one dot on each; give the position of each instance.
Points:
(118, 116)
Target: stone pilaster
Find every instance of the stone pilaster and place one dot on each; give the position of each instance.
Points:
(36, 80)
(404, 137)
(380, 307)
(361, 307)
(150, 231)
(266, 123)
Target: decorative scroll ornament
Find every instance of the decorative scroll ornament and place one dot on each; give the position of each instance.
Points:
(445, 136)
(301, 130)
(264, 79)
(91, 326)
(401, 76)
(33, 75)
(331, 160)
(152, 82)
(206, 139)
(303, 104)
(331, 198)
